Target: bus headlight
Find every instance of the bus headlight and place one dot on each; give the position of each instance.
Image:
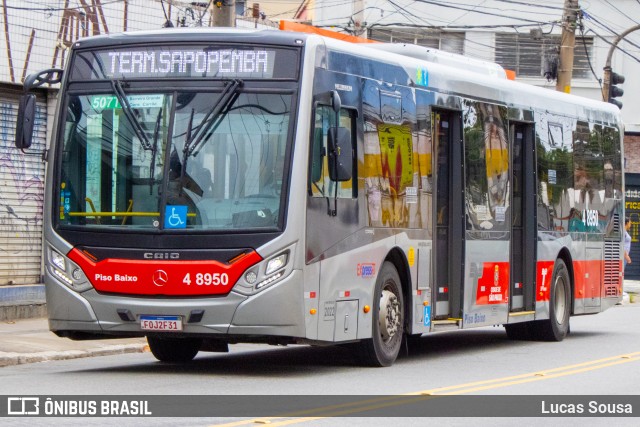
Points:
(57, 260)
(276, 263)
(266, 273)
(60, 265)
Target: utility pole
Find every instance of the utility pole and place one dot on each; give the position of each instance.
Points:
(224, 13)
(567, 44)
(606, 77)
(359, 28)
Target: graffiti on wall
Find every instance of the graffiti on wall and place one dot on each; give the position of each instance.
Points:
(21, 187)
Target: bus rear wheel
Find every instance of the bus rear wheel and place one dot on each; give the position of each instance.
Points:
(388, 320)
(174, 350)
(557, 326)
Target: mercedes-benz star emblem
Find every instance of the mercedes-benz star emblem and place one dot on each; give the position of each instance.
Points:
(160, 278)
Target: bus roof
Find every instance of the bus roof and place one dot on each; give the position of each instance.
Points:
(456, 80)
(449, 75)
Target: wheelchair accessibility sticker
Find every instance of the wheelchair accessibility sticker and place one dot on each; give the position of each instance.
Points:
(175, 217)
(427, 315)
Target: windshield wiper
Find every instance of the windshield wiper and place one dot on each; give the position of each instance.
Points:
(128, 112)
(213, 117)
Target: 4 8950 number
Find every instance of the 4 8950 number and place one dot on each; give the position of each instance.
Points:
(207, 279)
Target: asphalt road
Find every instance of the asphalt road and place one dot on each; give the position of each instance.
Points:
(601, 357)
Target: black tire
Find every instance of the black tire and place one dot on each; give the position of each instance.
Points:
(557, 326)
(388, 320)
(174, 350)
(518, 331)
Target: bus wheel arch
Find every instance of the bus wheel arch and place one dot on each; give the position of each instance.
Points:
(389, 314)
(397, 257)
(561, 303)
(556, 327)
(568, 262)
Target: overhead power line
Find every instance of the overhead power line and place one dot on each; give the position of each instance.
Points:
(537, 5)
(55, 9)
(474, 10)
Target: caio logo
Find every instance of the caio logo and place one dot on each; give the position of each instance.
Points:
(23, 406)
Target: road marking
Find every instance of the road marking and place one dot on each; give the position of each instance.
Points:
(535, 376)
(386, 401)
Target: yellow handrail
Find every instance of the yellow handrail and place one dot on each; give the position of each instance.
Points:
(93, 208)
(123, 214)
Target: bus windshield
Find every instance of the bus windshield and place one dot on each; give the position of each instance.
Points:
(182, 159)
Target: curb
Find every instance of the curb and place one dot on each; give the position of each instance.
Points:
(10, 359)
(22, 310)
(22, 302)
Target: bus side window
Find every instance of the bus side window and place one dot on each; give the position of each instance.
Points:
(321, 184)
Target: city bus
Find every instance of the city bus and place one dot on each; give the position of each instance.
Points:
(207, 187)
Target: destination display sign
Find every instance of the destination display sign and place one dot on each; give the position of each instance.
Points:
(185, 62)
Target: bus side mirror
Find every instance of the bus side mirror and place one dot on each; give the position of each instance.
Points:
(25, 121)
(340, 161)
(336, 102)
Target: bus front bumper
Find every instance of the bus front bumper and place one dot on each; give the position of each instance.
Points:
(276, 311)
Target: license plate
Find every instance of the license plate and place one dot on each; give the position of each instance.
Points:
(161, 323)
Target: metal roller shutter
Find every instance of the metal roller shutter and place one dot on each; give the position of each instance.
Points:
(21, 194)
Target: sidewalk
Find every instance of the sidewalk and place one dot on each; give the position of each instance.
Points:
(632, 286)
(29, 341)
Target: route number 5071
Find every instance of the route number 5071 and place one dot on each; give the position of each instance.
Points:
(207, 279)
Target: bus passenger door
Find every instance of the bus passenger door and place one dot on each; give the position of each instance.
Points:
(523, 218)
(449, 256)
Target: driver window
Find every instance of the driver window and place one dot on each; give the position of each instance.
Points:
(320, 183)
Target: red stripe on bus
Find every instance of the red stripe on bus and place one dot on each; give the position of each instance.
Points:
(160, 277)
(544, 271)
(589, 278)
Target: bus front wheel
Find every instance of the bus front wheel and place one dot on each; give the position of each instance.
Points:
(388, 320)
(174, 350)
